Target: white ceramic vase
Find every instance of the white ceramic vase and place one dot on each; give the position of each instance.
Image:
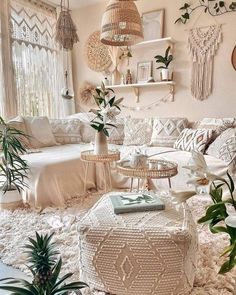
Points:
(11, 200)
(166, 75)
(100, 144)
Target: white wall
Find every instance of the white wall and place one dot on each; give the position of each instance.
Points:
(222, 102)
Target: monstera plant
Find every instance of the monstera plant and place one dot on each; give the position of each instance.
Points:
(45, 269)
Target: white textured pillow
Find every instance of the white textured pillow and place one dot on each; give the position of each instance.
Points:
(167, 130)
(218, 125)
(137, 131)
(40, 132)
(224, 147)
(193, 140)
(66, 131)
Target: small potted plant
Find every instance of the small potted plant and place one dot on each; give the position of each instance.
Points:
(105, 117)
(45, 269)
(13, 169)
(166, 73)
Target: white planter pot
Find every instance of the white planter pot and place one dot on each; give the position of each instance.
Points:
(166, 75)
(11, 200)
(101, 146)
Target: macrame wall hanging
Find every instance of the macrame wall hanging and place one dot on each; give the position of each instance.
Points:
(203, 44)
(66, 32)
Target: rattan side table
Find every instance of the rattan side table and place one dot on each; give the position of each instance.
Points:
(163, 169)
(89, 157)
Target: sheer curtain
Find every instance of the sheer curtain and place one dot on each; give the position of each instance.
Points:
(38, 62)
(8, 103)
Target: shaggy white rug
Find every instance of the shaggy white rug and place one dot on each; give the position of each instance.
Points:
(16, 226)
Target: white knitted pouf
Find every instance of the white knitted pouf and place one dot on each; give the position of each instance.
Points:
(138, 253)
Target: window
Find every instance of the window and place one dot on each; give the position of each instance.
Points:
(38, 63)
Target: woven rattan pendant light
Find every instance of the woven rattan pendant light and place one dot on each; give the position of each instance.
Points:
(121, 24)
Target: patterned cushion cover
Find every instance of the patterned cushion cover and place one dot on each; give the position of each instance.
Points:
(88, 133)
(167, 130)
(218, 125)
(66, 130)
(137, 131)
(117, 135)
(191, 139)
(224, 147)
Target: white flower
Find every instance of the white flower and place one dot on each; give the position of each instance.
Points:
(200, 174)
(109, 114)
(231, 220)
(182, 196)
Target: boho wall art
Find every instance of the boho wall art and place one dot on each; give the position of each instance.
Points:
(203, 44)
(234, 58)
(144, 71)
(153, 24)
(212, 7)
(97, 54)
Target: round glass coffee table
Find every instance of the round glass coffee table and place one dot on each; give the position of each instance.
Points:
(155, 169)
(89, 157)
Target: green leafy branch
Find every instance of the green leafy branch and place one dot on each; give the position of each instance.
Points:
(165, 60)
(213, 7)
(216, 215)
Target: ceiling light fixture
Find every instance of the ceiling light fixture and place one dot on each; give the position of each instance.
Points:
(121, 24)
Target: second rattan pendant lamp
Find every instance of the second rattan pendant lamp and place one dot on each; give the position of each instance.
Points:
(121, 24)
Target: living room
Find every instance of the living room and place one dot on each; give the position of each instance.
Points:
(118, 139)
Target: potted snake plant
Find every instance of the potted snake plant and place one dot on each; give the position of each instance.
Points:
(13, 169)
(166, 73)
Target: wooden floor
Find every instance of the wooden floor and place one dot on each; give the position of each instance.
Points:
(6, 271)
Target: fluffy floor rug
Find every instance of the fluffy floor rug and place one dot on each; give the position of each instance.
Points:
(16, 226)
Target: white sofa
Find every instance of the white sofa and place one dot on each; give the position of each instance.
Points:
(57, 173)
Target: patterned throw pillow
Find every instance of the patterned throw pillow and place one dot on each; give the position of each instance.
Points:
(191, 139)
(66, 130)
(167, 130)
(224, 147)
(137, 131)
(218, 125)
(117, 135)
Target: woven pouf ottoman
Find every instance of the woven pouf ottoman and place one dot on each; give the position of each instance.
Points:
(138, 253)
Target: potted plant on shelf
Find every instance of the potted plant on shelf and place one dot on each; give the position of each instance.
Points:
(166, 73)
(105, 117)
(45, 269)
(221, 217)
(13, 169)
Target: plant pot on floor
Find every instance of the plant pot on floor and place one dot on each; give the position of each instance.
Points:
(166, 75)
(11, 200)
(101, 146)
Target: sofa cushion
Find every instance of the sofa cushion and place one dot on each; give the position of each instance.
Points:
(167, 130)
(117, 135)
(19, 124)
(66, 130)
(191, 139)
(137, 131)
(39, 131)
(224, 147)
(218, 125)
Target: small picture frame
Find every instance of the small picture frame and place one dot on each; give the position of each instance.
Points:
(144, 71)
(153, 24)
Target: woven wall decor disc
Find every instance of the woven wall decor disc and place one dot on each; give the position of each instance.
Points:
(97, 54)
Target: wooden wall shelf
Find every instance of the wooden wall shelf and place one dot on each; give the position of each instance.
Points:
(136, 87)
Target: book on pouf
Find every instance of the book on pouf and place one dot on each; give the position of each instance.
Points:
(136, 202)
